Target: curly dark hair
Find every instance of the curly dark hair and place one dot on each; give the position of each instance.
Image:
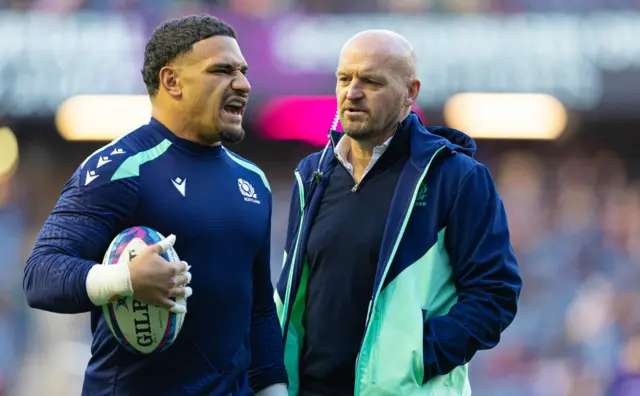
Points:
(174, 38)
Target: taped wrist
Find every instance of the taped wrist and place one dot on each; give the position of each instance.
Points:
(106, 282)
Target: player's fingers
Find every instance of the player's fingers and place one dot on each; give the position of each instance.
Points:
(180, 267)
(177, 308)
(185, 292)
(165, 244)
(183, 278)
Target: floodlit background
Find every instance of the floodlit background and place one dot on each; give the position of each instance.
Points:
(549, 88)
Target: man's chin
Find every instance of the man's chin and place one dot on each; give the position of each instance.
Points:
(232, 136)
(357, 133)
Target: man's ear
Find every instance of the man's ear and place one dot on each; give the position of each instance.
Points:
(170, 81)
(414, 90)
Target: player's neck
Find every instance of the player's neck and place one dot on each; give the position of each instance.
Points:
(179, 126)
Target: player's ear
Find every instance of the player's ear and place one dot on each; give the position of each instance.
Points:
(170, 81)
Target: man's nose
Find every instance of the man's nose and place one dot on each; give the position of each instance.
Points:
(354, 92)
(241, 84)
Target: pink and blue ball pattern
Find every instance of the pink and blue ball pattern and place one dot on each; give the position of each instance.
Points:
(149, 237)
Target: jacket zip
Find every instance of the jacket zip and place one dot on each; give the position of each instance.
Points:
(287, 294)
(389, 259)
(339, 159)
(317, 177)
(356, 185)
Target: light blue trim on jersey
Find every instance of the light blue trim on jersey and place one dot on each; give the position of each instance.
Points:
(249, 166)
(131, 166)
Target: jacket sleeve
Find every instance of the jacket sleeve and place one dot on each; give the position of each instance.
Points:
(267, 354)
(486, 275)
(90, 212)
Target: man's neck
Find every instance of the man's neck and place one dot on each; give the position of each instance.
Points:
(361, 152)
(179, 125)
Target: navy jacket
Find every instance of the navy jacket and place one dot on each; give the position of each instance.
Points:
(447, 283)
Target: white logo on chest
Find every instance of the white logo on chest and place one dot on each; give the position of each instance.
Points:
(180, 185)
(247, 190)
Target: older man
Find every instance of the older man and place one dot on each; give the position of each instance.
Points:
(398, 266)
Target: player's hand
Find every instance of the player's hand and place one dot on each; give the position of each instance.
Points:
(155, 280)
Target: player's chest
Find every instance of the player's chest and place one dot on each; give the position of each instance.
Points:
(204, 206)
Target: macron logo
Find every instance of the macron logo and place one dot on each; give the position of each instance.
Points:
(117, 151)
(103, 160)
(91, 176)
(180, 185)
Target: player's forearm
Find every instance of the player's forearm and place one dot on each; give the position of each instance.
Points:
(61, 283)
(267, 351)
(56, 282)
(267, 354)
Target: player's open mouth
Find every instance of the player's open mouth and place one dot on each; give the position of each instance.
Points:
(234, 109)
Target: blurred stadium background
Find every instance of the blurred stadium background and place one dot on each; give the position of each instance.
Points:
(549, 88)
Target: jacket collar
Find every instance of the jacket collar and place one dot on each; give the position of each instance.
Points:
(424, 141)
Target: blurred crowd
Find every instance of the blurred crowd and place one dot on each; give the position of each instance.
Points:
(575, 220)
(574, 217)
(267, 7)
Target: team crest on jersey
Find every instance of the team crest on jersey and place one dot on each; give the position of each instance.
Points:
(247, 190)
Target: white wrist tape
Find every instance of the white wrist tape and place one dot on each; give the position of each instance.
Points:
(105, 282)
(274, 390)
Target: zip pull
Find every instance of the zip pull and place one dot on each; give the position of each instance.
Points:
(317, 176)
(355, 188)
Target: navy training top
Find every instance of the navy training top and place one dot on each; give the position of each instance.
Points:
(219, 207)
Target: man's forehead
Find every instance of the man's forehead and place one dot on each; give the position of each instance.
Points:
(218, 49)
(364, 62)
(380, 50)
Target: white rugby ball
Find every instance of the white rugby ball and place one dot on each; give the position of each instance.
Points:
(139, 327)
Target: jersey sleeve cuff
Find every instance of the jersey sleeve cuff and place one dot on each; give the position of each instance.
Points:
(267, 377)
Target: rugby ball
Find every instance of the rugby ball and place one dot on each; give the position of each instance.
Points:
(139, 327)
